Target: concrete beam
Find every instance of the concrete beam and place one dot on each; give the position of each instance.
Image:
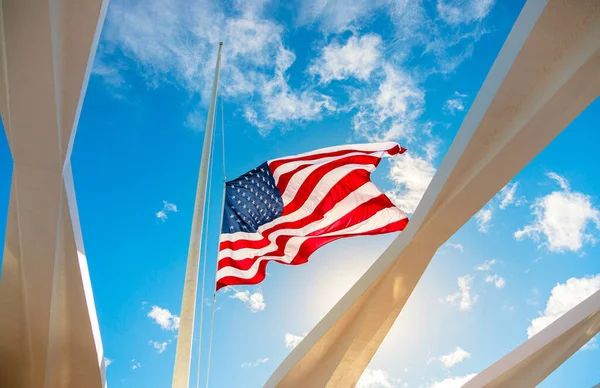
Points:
(49, 334)
(545, 75)
(531, 362)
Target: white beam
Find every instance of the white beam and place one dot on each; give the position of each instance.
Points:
(49, 334)
(545, 75)
(531, 362)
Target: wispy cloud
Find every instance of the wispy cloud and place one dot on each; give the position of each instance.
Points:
(159, 346)
(167, 208)
(357, 58)
(376, 378)
(292, 340)
(390, 111)
(255, 301)
(495, 279)
(452, 382)
(484, 219)
(563, 220)
(135, 364)
(457, 356)
(486, 265)
(175, 42)
(456, 103)
(164, 318)
(107, 362)
(256, 363)
(507, 195)
(456, 246)
(463, 296)
(464, 11)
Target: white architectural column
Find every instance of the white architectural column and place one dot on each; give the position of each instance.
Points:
(545, 75)
(49, 334)
(531, 362)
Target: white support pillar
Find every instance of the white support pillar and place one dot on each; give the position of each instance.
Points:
(49, 334)
(531, 362)
(545, 75)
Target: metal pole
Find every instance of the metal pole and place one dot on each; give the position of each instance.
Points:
(183, 353)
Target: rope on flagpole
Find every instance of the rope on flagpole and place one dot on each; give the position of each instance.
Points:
(204, 246)
(214, 303)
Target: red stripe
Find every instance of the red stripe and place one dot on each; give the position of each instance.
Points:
(348, 184)
(305, 251)
(275, 164)
(311, 181)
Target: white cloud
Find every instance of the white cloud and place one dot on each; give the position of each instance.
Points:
(563, 219)
(455, 357)
(254, 301)
(415, 32)
(164, 318)
(456, 246)
(456, 103)
(464, 11)
(453, 382)
(496, 279)
(159, 346)
(175, 41)
(411, 175)
(135, 365)
(463, 295)
(107, 362)
(507, 195)
(334, 16)
(291, 340)
(376, 378)
(256, 363)
(168, 207)
(484, 218)
(486, 266)
(391, 111)
(564, 297)
(357, 58)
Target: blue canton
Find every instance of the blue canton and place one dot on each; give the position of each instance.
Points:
(251, 200)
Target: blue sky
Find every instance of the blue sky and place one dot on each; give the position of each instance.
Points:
(298, 76)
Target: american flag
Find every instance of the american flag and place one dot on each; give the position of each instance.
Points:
(287, 208)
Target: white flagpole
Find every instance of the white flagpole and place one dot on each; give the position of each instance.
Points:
(183, 353)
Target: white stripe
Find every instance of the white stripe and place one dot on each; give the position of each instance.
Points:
(285, 168)
(378, 220)
(347, 205)
(382, 146)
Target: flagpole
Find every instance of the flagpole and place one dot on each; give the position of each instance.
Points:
(183, 353)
